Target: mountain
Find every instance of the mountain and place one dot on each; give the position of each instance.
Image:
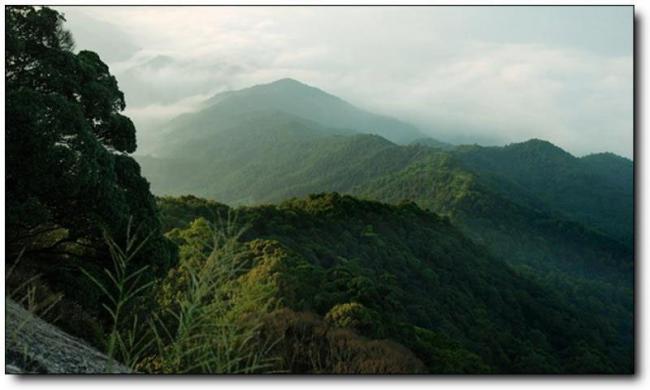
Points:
(287, 155)
(407, 275)
(563, 222)
(508, 219)
(612, 167)
(505, 218)
(295, 139)
(595, 190)
(267, 157)
(289, 97)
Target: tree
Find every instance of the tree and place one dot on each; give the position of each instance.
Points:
(67, 145)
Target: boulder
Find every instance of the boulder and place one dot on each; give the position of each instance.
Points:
(33, 346)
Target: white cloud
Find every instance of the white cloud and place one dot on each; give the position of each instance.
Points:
(157, 112)
(492, 75)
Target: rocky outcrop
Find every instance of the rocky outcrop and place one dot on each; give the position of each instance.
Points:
(32, 346)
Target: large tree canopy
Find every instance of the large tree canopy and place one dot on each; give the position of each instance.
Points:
(67, 145)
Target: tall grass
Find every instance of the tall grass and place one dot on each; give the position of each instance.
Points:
(121, 285)
(217, 319)
(211, 325)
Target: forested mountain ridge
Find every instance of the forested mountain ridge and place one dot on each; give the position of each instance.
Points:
(287, 156)
(263, 132)
(473, 185)
(596, 190)
(502, 217)
(432, 142)
(415, 279)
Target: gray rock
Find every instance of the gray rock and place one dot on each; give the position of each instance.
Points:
(32, 346)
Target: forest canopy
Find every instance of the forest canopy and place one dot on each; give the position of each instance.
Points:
(70, 179)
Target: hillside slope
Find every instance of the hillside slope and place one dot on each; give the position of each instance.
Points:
(596, 190)
(268, 156)
(504, 218)
(271, 157)
(415, 279)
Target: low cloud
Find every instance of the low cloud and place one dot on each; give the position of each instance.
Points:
(463, 74)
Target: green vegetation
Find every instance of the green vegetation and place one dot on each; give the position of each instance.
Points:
(209, 312)
(408, 275)
(267, 146)
(433, 143)
(525, 203)
(591, 271)
(436, 258)
(503, 217)
(595, 190)
(70, 180)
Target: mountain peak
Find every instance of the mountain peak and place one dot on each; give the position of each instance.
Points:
(299, 99)
(292, 87)
(287, 81)
(606, 156)
(539, 146)
(536, 142)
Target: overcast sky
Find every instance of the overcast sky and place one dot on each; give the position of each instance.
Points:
(487, 75)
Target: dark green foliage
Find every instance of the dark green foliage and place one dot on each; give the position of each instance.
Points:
(180, 212)
(504, 218)
(595, 190)
(591, 270)
(69, 177)
(415, 279)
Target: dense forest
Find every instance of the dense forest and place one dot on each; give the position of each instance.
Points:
(403, 273)
(318, 237)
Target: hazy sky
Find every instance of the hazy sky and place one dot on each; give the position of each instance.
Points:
(490, 75)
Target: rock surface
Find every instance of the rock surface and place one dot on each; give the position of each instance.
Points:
(32, 346)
